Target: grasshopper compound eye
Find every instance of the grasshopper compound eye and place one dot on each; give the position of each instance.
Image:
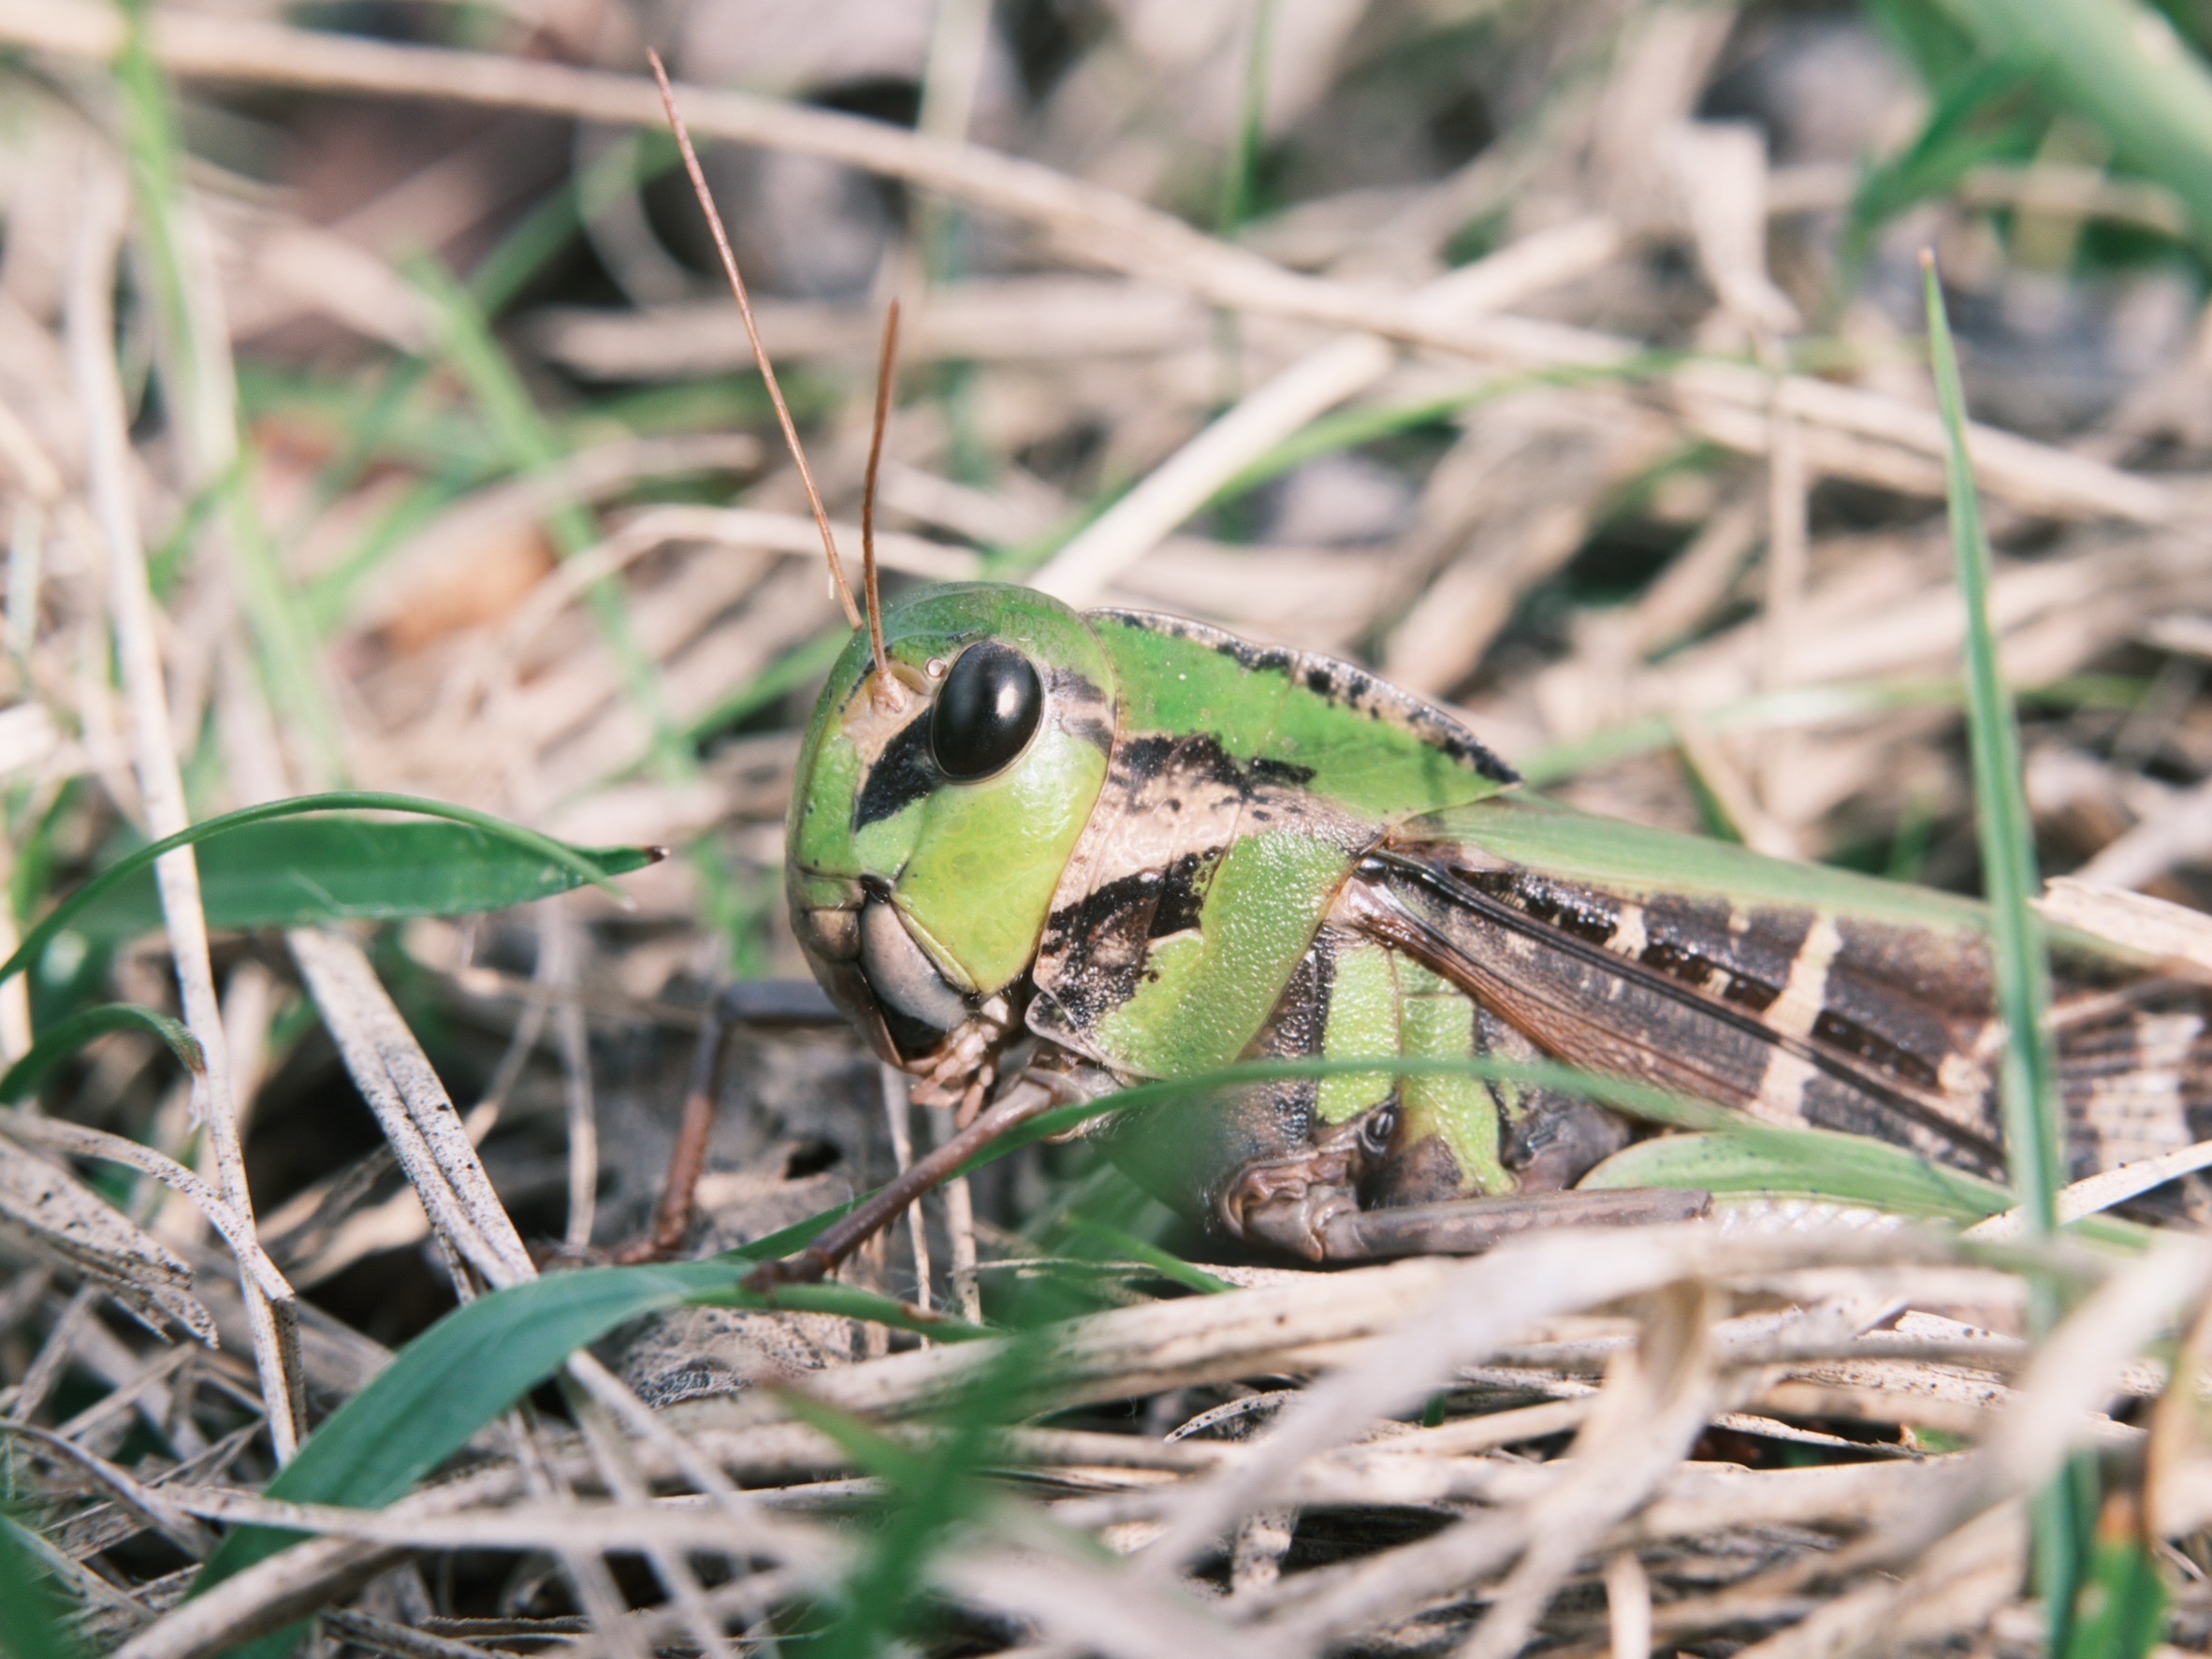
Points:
(987, 712)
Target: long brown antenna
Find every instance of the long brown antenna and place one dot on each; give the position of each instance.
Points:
(885, 368)
(753, 333)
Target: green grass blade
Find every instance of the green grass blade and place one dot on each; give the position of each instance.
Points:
(66, 1037)
(480, 1359)
(2124, 1599)
(1974, 118)
(283, 635)
(300, 871)
(1805, 1164)
(1835, 703)
(583, 867)
(939, 1486)
(1240, 178)
(937, 1489)
(30, 1623)
(1769, 1161)
(1117, 1242)
(2028, 1075)
(801, 665)
(2126, 68)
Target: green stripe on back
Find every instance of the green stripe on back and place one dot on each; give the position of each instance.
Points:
(1358, 741)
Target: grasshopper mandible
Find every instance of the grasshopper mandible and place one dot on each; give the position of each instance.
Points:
(1035, 854)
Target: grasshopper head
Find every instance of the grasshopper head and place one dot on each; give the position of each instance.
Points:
(931, 819)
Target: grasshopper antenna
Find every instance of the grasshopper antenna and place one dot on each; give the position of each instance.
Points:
(760, 353)
(887, 689)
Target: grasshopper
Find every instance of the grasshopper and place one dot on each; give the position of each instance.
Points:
(1108, 847)
(1034, 855)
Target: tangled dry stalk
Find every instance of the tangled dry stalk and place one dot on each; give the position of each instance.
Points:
(1560, 423)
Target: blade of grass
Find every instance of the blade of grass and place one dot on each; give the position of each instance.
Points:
(481, 1358)
(301, 871)
(498, 278)
(30, 1624)
(2125, 67)
(2029, 1079)
(939, 1486)
(2125, 1599)
(1237, 178)
(204, 401)
(58, 1042)
(531, 447)
(936, 1489)
(1116, 1241)
(1957, 135)
(1772, 1162)
(575, 860)
(1370, 423)
(1811, 705)
(799, 666)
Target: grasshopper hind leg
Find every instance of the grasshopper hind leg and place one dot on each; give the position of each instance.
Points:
(788, 1003)
(1468, 1227)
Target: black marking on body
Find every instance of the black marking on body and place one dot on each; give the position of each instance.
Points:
(906, 771)
(1298, 1027)
(1195, 762)
(1295, 1031)
(1907, 999)
(1181, 893)
(1283, 773)
(1102, 939)
(1141, 758)
(1902, 1045)
(1839, 1030)
(1576, 910)
(902, 775)
(1744, 957)
(1080, 707)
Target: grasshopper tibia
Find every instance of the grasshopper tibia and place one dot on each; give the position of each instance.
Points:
(1468, 1227)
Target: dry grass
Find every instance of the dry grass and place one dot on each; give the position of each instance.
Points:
(1553, 372)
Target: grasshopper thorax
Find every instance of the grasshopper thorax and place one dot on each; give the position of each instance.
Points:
(929, 828)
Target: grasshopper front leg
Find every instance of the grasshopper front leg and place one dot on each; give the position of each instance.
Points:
(1029, 1099)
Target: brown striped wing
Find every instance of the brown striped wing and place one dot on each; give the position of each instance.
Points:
(1795, 1015)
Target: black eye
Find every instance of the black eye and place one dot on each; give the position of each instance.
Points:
(986, 713)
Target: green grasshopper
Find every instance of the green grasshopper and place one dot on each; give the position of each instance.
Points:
(1036, 854)
(1111, 847)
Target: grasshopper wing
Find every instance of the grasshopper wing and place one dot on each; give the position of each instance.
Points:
(1798, 996)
